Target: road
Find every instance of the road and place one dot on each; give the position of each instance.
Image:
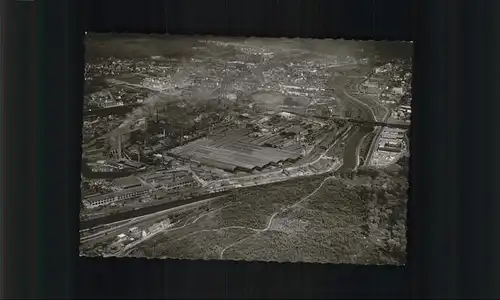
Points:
(387, 123)
(407, 141)
(377, 102)
(374, 144)
(367, 112)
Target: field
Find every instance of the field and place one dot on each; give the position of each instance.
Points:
(358, 218)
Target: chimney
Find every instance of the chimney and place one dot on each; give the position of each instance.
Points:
(119, 146)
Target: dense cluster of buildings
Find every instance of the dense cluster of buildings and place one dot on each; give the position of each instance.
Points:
(391, 139)
(168, 180)
(134, 234)
(253, 141)
(229, 152)
(390, 145)
(119, 196)
(111, 165)
(115, 66)
(95, 187)
(397, 81)
(402, 113)
(154, 184)
(96, 127)
(374, 85)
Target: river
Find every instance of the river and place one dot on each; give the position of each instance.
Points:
(350, 153)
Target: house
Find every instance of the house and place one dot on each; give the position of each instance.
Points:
(398, 90)
(121, 237)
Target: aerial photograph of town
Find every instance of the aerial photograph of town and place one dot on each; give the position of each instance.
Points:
(246, 149)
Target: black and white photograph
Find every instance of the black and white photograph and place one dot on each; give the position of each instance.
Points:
(245, 149)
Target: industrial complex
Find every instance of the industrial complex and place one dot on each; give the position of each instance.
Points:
(168, 131)
(229, 152)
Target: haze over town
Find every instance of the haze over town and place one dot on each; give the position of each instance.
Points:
(246, 149)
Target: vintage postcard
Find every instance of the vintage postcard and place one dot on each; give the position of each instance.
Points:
(254, 149)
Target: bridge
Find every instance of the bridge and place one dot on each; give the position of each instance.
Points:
(394, 124)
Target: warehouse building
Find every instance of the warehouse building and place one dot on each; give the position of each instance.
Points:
(229, 153)
(127, 182)
(390, 149)
(168, 180)
(127, 194)
(178, 183)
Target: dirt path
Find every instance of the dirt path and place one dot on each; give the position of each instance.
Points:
(273, 216)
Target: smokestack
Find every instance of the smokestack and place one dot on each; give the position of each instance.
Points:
(119, 146)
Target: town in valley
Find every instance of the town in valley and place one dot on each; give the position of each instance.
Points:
(255, 149)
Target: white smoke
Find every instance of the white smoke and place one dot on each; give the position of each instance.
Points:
(148, 105)
(145, 110)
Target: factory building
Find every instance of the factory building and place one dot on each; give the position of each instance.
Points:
(157, 227)
(135, 232)
(128, 182)
(94, 167)
(398, 90)
(171, 181)
(230, 153)
(390, 149)
(126, 194)
(405, 108)
(371, 87)
(393, 143)
(94, 152)
(180, 183)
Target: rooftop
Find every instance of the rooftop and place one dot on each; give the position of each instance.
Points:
(116, 194)
(127, 181)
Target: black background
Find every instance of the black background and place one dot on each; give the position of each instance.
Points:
(453, 196)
